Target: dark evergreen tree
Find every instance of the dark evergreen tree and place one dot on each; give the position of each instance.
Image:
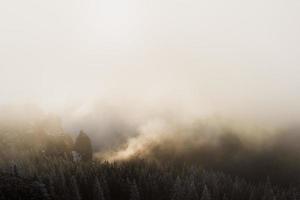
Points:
(177, 191)
(206, 194)
(75, 194)
(42, 188)
(134, 192)
(83, 146)
(105, 188)
(18, 188)
(51, 189)
(268, 191)
(15, 170)
(98, 191)
(191, 192)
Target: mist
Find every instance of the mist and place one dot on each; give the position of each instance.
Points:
(156, 134)
(214, 84)
(233, 59)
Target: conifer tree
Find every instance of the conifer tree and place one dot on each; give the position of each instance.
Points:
(177, 192)
(83, 146)
(98, 191)
(205, 194)
(15, 170)
(42, 188)
(268, 191)
(62, 178)
(105, 187)
(134, 192)
(52, 189)
(191, 192)
(74, 189)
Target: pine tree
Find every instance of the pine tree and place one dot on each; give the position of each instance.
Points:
(268, 191)
(178, 191)
(42, 189)
(74, 189)
(15, 170)
(83, 146)
(134, 192)
(205, 194)
(98, 191)
(191, 192)
(105, 187)
(52, 189)
(62, 178)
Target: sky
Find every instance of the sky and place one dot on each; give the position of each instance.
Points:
(238, 58)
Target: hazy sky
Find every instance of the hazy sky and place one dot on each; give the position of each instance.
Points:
(216, 56)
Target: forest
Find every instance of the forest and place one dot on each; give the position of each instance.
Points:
(44, 162)
(149, 100)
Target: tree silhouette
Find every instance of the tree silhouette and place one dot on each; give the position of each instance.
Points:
(205, 194)
(98, 191)
(191, 193)
(83, 146)
(177, 192)
(134, 192)
(74, 189)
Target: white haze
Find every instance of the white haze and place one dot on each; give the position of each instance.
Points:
(133, 60)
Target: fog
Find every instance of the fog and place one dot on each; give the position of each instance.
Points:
(234, 59)
(145, 79)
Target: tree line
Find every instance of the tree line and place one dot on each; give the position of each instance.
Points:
(42, 166)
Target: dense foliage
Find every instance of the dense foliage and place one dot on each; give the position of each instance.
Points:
(38, 165)
(61, 178)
